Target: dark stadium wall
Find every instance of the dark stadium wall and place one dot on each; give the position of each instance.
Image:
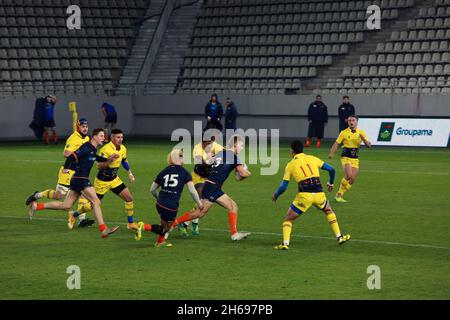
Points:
(160, 115)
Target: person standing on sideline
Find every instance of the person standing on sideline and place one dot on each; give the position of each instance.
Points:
(318, 119)
(49, 118)
(110, 114)
(231, 114)
(213, 113)
(346, 109)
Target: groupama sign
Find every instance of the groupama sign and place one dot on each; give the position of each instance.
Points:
(407, 132)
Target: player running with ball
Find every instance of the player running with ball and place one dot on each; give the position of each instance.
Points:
(224, 163)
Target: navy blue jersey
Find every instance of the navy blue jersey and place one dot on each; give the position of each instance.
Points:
(85, 158)
(224, 162)
(172, 180)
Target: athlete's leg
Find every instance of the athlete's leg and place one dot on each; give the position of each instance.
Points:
(287, 227)
(72, 196)
(126, 196)
(346, 182)
(332, 220)
(228, 203)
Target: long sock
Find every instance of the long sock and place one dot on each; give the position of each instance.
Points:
(48, 194)
(332, 220)
(287, 228)
(344, 187)
(102, 227)
(55, 136)
(47, 140)
(40, 206)
(129, 209)
(185, 217)
(232, 220)
(155, 228)
(160, 239)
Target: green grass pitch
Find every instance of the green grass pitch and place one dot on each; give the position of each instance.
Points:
(398, 216)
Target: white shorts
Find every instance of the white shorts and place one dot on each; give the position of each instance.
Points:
(62, 189)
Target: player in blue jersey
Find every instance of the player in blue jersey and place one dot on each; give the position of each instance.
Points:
(224, 163)
(83, 158)
(170, 181)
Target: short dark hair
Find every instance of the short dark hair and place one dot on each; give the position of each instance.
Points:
(297, 146)
(345, 97)
(116, 131)
(353, 116)
(97, 131)
(318, 96)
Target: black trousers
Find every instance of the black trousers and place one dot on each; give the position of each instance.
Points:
(316, 129)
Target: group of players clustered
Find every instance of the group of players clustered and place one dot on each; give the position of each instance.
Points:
(213, 165)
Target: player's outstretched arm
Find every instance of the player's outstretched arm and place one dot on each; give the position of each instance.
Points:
(126, 166)
(243, 171)
(333, 150)
(154, 190)
(280, 190)
(332, 173)
(194, 194)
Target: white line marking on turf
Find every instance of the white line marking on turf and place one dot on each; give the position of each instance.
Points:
(414, 245)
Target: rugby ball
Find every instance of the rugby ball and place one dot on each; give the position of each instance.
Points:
(237, 175)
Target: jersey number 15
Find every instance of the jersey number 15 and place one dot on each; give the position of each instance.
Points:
(170, 180)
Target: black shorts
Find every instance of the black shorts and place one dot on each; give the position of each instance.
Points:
(211, 192)
(49, 123)
(165, 213)
(111, 118)
(79, 184)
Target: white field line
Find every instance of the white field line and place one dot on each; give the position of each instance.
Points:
(413, 245)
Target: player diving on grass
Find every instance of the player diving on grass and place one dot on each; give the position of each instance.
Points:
(224, 163)
(305, 171)
(351, 138)
(170, 181)
(75, 140)
(203, 154)
(110, 157)
(82, 161)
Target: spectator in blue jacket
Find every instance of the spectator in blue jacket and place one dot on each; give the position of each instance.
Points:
(231, 114)
(214, 113)
(47, 105)
(110, 114)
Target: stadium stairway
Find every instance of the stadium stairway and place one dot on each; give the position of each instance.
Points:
(138, 53)
(371, 40)
(168, 63)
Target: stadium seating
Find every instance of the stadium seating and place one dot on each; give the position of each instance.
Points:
(38, 53)
(269, 46)
(415, 60)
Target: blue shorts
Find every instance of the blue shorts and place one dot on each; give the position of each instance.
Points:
(165, 213)
(211, 192)
(49, 123)
(78, 185)
(111, 118)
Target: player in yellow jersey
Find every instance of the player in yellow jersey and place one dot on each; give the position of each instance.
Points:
(351, 138)
(203, 154)
(305, 171)
(110, 157)
(75, 140)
